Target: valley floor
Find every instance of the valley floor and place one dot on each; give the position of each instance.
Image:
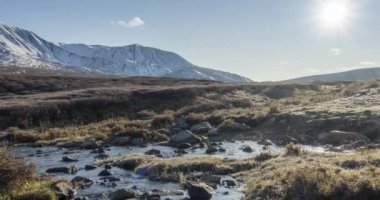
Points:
(95, 113)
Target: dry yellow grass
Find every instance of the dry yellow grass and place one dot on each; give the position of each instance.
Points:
(316, 176)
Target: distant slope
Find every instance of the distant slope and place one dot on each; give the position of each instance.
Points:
(352, 75)
(22, 48)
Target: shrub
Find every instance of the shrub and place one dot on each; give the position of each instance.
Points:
(43, 194)
(316, 182)
(14, 172)
(133, 132)
(160, 121)
(293, 150)
(273, 109)
(327, 183)
(20, 136)
(195, 118)
(229, 125)
(263, 157)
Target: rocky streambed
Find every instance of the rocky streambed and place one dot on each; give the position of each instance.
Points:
(99, 181)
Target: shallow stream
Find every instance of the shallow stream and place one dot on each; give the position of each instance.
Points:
(49, 157)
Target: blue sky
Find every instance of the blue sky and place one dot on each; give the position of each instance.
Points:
(260, 39)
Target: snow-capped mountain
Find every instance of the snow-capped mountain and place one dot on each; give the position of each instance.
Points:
(22, 48)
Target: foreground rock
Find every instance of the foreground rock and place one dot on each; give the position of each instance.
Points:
(246, 149)
(337, 138)
(229, 182)
(63, 190)
(203, 127)
(154, 152)
(183, 146)
(184, 137)
(82, 182)
(211, 150)
(66, 170)
(211, 180)
(137, 141)
(199, 191)
(181, 123)
(122, 194)
(89, 167)
(89, 144)
(68, 159)
(121, 141)
(105, 173)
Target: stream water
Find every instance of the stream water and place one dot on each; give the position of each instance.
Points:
(49, 157)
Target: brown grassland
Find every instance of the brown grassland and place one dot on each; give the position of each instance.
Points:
(52, 110)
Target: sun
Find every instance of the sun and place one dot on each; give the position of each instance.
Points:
(334, 14)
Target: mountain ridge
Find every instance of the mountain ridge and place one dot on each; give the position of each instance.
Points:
(26, 49)
(360, 74)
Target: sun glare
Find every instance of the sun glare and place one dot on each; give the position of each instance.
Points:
(334, 14)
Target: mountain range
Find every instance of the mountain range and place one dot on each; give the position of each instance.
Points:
(25, 49)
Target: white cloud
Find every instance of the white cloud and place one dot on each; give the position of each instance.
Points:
(134, 22)
(335, 51)
(368, 63)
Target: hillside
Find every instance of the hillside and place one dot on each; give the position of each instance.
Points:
(352, 75)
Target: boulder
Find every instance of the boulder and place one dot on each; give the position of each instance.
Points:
(155, 152)
(211, 150)
(203, 127)
(123, 194)
(229, 182)
(69, 159)
(63, 190)
(181, 123)
(180, 151)
(184, 137)
(199, 191)
(105, 173)
(66, 170)
(90, 144)
(121, 141)
(183, 146)
(128, 164)
(338, 138)
(246, 149)
(231, 126)
(81, 182)
(110, 179)
(89, 167)
(213, 132)
(211, 178)
(137, 141)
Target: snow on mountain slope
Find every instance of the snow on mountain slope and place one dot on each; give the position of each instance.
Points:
(134, 60)
(207, 74)
(19, 47)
